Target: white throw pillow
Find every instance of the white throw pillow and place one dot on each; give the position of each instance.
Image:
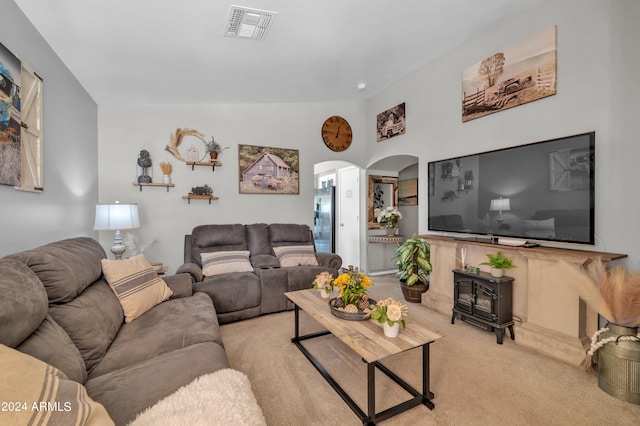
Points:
(296, 256)
(225, 262)
(137, 285)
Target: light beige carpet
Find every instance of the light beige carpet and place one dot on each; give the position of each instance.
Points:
(475, 380)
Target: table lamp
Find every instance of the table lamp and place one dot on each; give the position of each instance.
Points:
(116, 217)
(500, 205)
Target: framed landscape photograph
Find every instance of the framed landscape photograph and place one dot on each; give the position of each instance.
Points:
(267, 170)
(521, 74)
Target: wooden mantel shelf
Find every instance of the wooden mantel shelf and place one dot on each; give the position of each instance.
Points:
(582, 255)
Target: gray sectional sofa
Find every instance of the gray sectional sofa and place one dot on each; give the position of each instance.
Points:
(260, 288)
(56, 306)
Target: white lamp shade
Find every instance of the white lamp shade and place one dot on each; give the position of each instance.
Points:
(501, 204)
(112, 217)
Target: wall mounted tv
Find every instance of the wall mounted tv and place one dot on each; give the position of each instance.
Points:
(539, 191)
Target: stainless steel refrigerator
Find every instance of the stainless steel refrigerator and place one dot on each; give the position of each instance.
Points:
(324, 213)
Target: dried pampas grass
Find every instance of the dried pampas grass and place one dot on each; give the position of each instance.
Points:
(166, 168)
(614, 294)
(587, 283)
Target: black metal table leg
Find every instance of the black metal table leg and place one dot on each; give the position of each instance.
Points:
(371, 392)
(297, 321)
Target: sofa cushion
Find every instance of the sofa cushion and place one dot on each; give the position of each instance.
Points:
(232, 292)
(137, 285)
(261, 261)
(258, 239)
(295, 255)
(169, 326)
(27, 380)
(65, 267)
(287, 233)
(51, 344)
(23, 305)
(133, 389)
(208, 238)
(91, 320)
(225, 262)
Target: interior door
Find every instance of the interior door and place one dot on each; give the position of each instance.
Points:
(348, 217)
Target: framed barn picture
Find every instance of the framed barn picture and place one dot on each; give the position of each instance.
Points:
(267, 170)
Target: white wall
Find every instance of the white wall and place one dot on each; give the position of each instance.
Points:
(166, 217)
(66, 208)
(598, 90)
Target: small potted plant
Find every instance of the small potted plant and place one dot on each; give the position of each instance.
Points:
(498, 263)
(214, 148)
(390, 313)
(324, 283)
(414, 264)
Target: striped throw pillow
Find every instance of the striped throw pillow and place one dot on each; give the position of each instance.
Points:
(137, 285)
(296, 256)
(34, 392)
(225, 262)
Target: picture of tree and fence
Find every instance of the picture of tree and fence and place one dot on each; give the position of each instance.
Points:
(521, 74)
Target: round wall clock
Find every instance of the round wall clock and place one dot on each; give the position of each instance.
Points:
(336, 133)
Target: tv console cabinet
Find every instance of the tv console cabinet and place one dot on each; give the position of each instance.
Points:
(555, 321)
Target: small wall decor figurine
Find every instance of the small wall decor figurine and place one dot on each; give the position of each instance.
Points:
(202, 190)
(144, 161)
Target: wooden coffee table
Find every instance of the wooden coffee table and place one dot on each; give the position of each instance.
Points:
(367, 339)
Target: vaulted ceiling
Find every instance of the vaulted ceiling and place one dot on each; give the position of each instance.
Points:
(176, 52)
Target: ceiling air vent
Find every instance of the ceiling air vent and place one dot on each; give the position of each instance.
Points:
(244, 22)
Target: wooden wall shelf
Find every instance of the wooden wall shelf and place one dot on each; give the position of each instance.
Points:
(167, 185)
(211, 164)
(199, 197)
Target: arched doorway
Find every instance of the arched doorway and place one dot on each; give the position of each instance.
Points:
(379, 257)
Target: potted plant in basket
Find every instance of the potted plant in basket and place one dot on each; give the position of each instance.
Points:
(498, 263)
(214, 148)
(390, 313)
(413, 259)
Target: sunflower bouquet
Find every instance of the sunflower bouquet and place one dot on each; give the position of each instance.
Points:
(352, 284)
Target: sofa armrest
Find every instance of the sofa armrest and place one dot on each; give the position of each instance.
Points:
(193, 270)
(330, 260)
(180, 284)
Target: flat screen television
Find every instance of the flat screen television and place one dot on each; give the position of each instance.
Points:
(538, 191)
